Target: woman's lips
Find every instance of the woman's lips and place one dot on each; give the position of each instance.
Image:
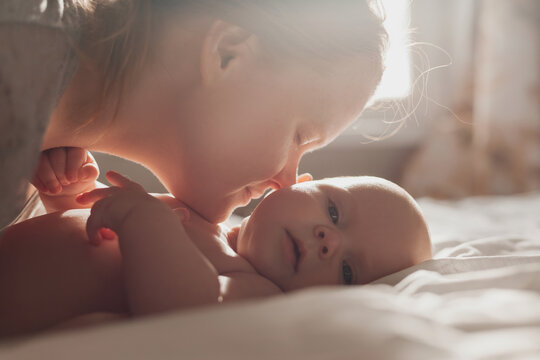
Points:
(257, 192)
(251, 193)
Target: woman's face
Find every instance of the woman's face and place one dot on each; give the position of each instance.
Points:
(242, 128)
(250, 134)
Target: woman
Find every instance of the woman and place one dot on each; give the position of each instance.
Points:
(220, 99)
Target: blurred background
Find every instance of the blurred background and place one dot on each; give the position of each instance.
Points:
(457, 112)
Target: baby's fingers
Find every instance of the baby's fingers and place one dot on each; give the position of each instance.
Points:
(57, 158)
(46, 175)
(121, 181)
(96, 195)
(96, 223)
(76, 157)
(88, 172)
(304, 177)
(39, 185)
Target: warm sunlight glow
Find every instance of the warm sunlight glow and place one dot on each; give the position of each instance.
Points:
(396, 81)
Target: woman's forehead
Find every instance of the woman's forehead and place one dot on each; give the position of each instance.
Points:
(334, 99)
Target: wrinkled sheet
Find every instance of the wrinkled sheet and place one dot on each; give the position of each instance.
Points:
(479, 298)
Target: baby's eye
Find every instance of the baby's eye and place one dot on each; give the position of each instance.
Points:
(333, 212)
(347, 273)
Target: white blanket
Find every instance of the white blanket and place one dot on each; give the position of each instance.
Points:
(479, 298)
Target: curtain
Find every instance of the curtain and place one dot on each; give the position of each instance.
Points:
(487, 140)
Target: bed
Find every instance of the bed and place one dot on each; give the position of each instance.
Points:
(479, 298)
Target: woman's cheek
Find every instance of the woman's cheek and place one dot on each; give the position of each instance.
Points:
(279, 156)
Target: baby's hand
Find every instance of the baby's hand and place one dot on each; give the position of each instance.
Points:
(113, 206)
(65, 171)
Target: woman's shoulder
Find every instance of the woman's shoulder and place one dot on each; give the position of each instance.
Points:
(20, 22)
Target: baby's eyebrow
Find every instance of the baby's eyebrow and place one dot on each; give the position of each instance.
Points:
(343, 199)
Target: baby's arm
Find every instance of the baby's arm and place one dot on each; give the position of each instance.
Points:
(163, 269)
(65, 172)
(244, 285)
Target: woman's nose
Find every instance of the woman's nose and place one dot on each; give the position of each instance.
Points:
(328, 241)
(287, 176)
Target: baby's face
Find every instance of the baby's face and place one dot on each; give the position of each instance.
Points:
(349, 230)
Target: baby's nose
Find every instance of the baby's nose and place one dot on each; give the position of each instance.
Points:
(329, 241)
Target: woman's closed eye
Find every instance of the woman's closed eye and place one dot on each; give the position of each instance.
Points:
(333, 212)
(300, 140)
(303, 140)
(346, 272)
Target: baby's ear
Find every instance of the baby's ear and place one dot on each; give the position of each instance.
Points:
(303, 178)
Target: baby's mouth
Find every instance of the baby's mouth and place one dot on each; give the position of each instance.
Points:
(297, 246)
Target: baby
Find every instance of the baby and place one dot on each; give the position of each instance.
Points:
(336, 231)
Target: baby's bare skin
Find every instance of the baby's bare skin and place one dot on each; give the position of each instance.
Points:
(50, 274)
(161, 256)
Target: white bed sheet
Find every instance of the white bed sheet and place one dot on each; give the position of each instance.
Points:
(479, 298)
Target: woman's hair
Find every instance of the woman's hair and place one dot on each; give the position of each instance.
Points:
(119, 32)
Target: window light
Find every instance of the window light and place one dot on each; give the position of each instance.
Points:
(396, 80)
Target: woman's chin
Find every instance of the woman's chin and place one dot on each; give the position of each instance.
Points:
(215, 214)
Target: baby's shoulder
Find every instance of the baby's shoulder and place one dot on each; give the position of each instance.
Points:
(246, 285)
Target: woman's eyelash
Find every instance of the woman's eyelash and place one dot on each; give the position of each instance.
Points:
(333, 212)
(347, 273)
(299, 140)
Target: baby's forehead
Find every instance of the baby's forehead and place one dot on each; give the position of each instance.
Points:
(355, 182)
(366, 189)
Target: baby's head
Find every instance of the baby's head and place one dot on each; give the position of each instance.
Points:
(345, 230)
